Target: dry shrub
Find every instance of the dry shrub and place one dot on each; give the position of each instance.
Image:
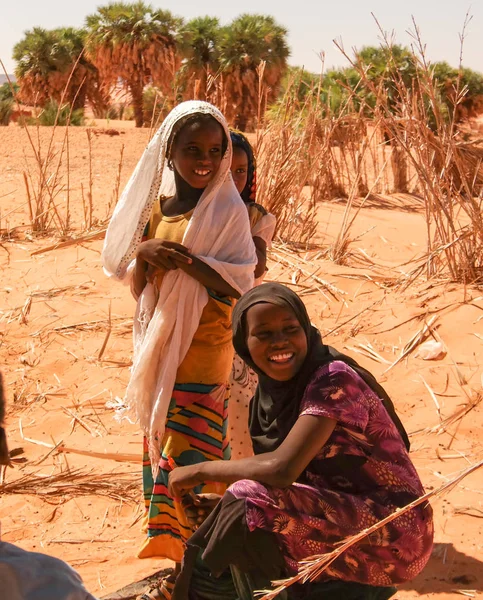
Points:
(395, 136)
(448, 170)
(309, 153)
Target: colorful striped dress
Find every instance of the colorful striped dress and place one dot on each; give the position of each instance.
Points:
(196, 424)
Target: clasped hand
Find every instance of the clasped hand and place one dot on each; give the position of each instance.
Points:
(162, 254)
(199, 508)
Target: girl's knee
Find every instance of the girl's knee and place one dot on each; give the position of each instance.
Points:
(247, 488)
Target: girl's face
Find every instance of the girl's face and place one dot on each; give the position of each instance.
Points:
(239, 168)
(276, 341)
(197, 152)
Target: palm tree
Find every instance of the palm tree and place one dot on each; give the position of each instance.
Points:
(245, 43)
(51, 66)
(200, 44)
(136, 44)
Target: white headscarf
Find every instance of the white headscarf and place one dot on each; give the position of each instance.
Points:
(218, 233)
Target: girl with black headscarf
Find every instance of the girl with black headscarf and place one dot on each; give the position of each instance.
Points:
(331, 458)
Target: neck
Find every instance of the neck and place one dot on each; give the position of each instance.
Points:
(185, 193)
(184, 200)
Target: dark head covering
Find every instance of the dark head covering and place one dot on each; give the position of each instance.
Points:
(240, 141)
(276, 405)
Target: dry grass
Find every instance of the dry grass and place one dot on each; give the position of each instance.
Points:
(310, 152)
(47, 180)
(74, 483)
(448, 171)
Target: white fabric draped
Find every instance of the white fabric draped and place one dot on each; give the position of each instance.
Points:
(167, 319)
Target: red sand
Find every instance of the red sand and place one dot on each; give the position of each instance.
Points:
(53, 374)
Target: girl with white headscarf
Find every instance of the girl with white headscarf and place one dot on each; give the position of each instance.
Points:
(198, 257)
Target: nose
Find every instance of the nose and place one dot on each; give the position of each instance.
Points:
(204, 158)
(279, 340)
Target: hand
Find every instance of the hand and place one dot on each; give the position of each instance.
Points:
(184, 479)
(199, 510)
(162, 254)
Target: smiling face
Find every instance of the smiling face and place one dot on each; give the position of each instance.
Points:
(276, 341)
(197, 152)
(239, 168)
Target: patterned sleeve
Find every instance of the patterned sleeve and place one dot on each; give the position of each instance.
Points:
(262, 223)
(255, 213)
(337, 392)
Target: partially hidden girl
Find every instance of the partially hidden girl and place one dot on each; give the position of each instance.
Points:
(262, 224)
(198, 257)
(330, 460)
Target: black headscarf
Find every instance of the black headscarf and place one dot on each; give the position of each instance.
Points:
(238, 140)
(276, 405)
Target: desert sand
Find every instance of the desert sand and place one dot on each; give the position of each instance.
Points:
(65, 348)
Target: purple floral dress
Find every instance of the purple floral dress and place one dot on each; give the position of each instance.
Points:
(361, 475)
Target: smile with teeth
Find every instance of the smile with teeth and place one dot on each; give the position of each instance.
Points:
(281, 358)
(202, 172)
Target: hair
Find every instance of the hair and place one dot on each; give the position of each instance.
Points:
(195, 118)
(240, 140)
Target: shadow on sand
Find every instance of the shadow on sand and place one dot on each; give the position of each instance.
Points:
(448, 572)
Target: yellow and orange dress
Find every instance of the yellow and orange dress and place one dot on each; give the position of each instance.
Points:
(196, 423)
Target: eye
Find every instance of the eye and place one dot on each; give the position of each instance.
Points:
(241, 170)
(215, 150)
(262, 335)
(293, 329)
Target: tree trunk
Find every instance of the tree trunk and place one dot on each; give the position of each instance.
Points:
(80, 98)
(136, 88)
(399, 168)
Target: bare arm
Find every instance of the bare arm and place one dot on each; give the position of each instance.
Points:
(139, 280)
(157, 254)
(207, 276)
(279, 468)
(261, 248)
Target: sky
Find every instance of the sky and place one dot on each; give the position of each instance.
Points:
(312, 24)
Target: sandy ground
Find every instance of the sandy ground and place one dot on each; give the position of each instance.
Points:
(54, 322)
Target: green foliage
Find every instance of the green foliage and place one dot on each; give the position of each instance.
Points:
(8, 91)
(52, 115)
(42, 51)
(6, 102)
(251, 38)
(51, 65)
(298, 82)
(390, 70)
(6, 107)
(136, 43)
(155, 106)
(383, 63)
(127, 24)
(142, 45)
(448, 77)
(200, 43)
